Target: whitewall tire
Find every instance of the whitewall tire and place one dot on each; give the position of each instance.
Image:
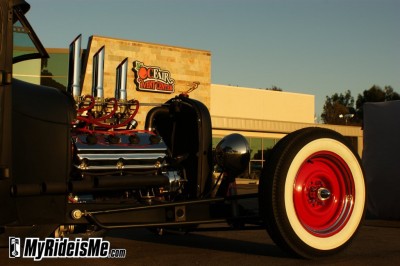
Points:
(312, 193)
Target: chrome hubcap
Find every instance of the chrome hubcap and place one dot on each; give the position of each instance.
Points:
(323, 193)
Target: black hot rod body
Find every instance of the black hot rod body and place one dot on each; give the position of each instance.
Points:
(77, 164)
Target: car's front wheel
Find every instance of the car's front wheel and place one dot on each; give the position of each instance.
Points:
(312, 193)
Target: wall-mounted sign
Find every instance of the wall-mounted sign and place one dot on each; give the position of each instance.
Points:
(152, 78)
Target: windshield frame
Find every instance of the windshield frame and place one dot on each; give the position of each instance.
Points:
(41, 51)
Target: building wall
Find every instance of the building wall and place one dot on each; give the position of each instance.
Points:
(250, 103)
(278, 129)
(185, 65)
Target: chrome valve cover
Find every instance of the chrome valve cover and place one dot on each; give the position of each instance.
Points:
(100, 152)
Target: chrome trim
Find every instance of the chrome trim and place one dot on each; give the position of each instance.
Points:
(121, 156)
(115, 167)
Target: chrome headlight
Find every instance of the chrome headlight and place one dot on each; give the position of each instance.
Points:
(232, 154)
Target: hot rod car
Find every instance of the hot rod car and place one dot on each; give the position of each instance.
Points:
(78, 164)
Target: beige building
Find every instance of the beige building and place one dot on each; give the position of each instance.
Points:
(250, 103)
(159, 72)
(267, 114)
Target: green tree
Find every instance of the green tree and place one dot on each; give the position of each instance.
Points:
(274, 88)
(390, 94)
(375, 94)
(339, 109)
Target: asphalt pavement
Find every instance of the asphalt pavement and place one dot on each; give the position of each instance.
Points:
(377, 243)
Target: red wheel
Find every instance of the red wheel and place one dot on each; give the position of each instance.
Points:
(312, 193)
(323, 194)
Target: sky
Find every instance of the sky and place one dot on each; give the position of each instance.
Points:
(317, 47)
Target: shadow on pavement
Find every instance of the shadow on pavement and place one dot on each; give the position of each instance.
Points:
(199, 240)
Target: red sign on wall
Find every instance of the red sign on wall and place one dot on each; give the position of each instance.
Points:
(152, 78)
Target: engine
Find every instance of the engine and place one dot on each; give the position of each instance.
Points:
(131, 163)
(110, 154)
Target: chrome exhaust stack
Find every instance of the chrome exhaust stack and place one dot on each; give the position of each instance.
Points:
(120, 86)
(98, 74)
(120, 90)
(121, 95)
(98, 81)
(74, 71)
(98, 111)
